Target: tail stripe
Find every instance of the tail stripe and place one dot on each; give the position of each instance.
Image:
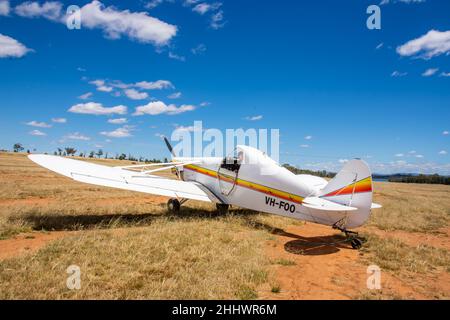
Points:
(364, 185)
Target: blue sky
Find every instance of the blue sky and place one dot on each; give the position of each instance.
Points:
(312, 69)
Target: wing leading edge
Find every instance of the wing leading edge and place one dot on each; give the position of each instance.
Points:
(119, 178)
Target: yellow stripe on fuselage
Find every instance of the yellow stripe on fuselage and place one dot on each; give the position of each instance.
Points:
(247, 184)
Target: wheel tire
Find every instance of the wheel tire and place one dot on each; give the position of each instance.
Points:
(222, 208)
(356, 243)
(173, 206)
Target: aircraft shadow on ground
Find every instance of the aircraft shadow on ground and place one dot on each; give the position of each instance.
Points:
(317, 245)
(308, 246)
(58, 222)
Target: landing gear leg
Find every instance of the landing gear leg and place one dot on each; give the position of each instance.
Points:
(355, 241)
(222, 208)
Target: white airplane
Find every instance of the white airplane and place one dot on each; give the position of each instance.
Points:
(241, 180)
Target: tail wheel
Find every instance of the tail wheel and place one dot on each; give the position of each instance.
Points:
(222, 208)
(356, 243)
(173, 206)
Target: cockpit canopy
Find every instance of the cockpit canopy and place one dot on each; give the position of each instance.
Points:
(244, 155)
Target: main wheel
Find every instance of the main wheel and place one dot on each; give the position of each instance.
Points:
(173, 206)
(222, 208)
(356, 243)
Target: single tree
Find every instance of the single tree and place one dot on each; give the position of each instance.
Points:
(70, 151)
(18, 147)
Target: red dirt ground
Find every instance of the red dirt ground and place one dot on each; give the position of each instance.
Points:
(27, 243)
(331, 271)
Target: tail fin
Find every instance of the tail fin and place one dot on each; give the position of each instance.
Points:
(352, 187)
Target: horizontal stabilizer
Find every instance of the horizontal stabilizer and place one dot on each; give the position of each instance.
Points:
(322, 204)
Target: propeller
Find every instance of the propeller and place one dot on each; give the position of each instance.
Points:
(169, 146)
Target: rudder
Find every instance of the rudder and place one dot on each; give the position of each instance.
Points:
(352, 187)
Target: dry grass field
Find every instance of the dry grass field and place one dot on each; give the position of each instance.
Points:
(128, 247)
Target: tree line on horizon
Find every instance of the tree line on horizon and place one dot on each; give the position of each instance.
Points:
(421, 178)
(401, 178)
(99, 154)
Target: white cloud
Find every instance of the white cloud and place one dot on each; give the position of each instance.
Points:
(98, 82)
(97, 109)
(201, 48)
(104, 88)
(4, 7)
(445, 133)
(203, 8)
(39, 124)
(101, 86)
(37, 133)
(136, 95)
(398, 74)
(379, 46)
(304, 146)
(442, 152)
(135, 25)
(51, 10)
(118, 121)
(217, 20)
(445, 74)
(343, 160)
(187, 129)
(398, 155)
(156, 85)
(122, 132)
(254, 118)
(175, 95)
(10, 47)
(59, 120)
(85, 96)
(159, 107)
(77, 136)
(432, 44)
(190, 2)
(400, 162)
(308, 137)
(430, 72)
(205, 104)
(176, 57)
(419, 156)
(412, 152)
(153, 4)
(119, 84)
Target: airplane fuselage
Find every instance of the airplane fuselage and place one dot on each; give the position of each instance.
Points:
(261, 185)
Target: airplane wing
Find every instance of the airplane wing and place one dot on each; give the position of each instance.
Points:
(120, 178)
